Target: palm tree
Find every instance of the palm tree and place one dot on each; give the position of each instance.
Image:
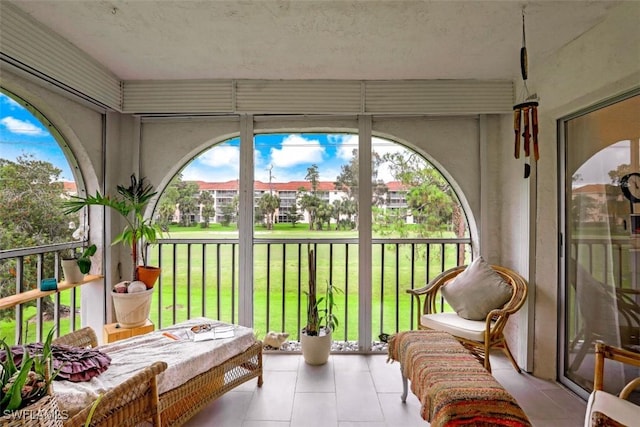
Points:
(268, 204)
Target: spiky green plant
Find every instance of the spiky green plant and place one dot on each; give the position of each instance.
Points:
(28, 383)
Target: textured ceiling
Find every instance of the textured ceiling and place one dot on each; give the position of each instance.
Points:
(315, 39)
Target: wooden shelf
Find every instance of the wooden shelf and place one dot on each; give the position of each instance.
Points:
(113, 332)
(13, 300)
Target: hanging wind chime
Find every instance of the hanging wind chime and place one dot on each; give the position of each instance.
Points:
(525, 114)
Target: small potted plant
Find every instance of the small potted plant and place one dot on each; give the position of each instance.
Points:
(27, 386)
(315, 337)
(76, 264)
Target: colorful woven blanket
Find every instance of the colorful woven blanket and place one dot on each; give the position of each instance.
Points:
(453, 387)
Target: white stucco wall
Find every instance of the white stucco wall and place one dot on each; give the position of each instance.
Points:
(602, 63)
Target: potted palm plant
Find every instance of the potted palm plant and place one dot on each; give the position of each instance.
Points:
(315, 337)
(132, 299)
(130, 203)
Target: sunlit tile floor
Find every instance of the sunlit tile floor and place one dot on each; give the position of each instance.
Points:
(364, 391)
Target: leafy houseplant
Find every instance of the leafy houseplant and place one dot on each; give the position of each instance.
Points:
(76, 264)
(315, 338)
(130, 204)
(82, 259)
(24, 385)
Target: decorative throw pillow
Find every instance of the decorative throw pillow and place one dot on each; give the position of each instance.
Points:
(72, 363)
(476, 291)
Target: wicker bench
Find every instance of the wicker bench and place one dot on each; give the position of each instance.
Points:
(453, 387)
(179, 404)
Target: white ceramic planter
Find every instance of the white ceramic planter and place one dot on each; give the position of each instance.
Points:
(71, 271)
(315, 349)
(132, 310)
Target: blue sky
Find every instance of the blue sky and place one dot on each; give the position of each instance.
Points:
(21, 133)
(287, 155)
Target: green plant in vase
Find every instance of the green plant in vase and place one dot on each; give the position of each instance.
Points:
(315, 337)
(23, 385)
(130, 202)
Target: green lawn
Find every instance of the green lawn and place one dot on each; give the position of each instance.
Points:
(8, 327)
(278, 296)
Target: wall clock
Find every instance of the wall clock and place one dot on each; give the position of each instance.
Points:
(630, 185)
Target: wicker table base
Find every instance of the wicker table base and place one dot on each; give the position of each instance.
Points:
(180, 404)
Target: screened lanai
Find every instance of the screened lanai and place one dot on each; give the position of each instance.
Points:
(144, 87)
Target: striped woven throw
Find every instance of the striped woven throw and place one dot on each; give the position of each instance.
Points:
(454, 389)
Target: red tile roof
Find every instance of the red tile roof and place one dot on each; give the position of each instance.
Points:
(70, 186)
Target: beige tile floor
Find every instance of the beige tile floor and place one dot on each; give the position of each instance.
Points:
(364, 391)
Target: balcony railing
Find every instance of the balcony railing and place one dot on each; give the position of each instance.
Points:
(24, 311)
(200, 278)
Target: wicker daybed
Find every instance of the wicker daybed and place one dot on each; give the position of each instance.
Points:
(177, 403)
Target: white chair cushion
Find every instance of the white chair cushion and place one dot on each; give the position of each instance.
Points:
(619, 410)
(455, 325)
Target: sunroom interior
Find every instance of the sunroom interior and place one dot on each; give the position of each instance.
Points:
(144, 87)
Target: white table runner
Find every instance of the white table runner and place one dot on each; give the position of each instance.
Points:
(185, 359)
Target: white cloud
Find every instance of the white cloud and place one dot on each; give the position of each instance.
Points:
(384, 146)
(259, 161)
(297, 150)
(199, 172)
(330, 174)
(10, 102)
(222, 155)
(21, 127)
(345, 145)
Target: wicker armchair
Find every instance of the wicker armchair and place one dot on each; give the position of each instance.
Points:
(476, 335)
(128, 404)
(603, 407)
(84, 338)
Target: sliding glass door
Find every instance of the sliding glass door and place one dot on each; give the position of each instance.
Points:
(600, 255)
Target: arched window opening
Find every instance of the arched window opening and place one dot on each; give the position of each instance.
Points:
(200, 208)
(306, 195)
(35, 178)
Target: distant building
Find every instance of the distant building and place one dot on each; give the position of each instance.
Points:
(226, 193)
